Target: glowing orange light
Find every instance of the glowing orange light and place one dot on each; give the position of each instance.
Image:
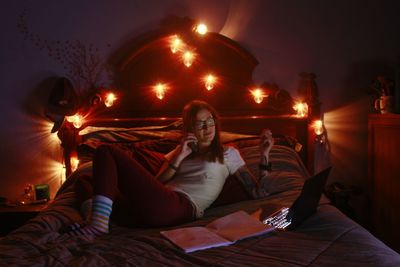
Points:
(61, 170)
(74, 163)
(209, 81)
(76, 120)
(109, 100)
(175, 44)
(56, 170)
(188, 58)
(201, 29)
(160, 90)
(318, 127)
(258, 95)
(301, 108)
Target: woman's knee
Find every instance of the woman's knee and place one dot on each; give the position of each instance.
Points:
(109, 153)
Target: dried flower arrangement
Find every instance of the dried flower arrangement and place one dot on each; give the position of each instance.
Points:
(382, 86)
(83, 63)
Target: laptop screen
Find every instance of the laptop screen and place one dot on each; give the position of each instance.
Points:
(306, 204)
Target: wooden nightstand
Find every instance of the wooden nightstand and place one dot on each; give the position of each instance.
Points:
(384, 177)
(12, 217)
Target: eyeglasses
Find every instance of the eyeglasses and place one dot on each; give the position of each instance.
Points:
(210, 122)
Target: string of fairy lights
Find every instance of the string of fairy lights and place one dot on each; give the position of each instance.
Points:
(188, 56)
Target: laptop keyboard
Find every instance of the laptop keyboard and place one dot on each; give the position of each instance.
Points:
(279, 220)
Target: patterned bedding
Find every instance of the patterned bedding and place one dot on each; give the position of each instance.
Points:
(327, 238)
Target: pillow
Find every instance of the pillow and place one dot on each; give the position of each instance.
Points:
(160, 146)
(159, 138)
(280, 139)
(233, 190)
(288, 171)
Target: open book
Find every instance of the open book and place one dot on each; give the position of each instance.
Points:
(221, 232)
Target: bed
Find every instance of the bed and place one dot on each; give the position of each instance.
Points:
(148, 128)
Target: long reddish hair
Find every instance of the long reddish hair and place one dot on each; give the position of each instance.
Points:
(189, 121)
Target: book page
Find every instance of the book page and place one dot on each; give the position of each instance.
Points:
(238, 225)
(194, 238)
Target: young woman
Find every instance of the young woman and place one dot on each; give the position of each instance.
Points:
(188, 182)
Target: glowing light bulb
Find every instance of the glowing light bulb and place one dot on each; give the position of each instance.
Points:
(175, 44)
(201, 29)
(188, 58)
(258, 95)
(74, 163)
(109, 100)
(160, 90)
(209, 81)
(59, 169)
(318, 127)
(301, 108)
(76, 120)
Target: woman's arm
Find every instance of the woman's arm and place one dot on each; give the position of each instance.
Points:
(252, 184)
(266, 143)
(171, 165)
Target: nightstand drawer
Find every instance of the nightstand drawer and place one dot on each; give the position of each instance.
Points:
(12, 217)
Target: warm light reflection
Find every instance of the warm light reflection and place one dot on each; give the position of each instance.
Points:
(57, 170)
(301, 108)
(237, 20)
(109, 99)
(74, 163)
(43, 160)
(77, 120)
(209, 81)
(318, 127)
(258, 95)
(188, 58)
(53, 138)
(160, 90)
(201, 29)
(348, 137)
(175, 44)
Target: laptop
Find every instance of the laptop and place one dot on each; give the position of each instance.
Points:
(287, 218)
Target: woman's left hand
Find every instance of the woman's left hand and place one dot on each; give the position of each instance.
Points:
(266, 142)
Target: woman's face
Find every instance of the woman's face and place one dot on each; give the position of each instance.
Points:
(204, 128)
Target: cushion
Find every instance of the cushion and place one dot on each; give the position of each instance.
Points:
(142, 148)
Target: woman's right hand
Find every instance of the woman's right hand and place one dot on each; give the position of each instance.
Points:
(180, 152)
(184, 145)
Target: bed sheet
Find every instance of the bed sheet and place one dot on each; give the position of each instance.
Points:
(328, 238)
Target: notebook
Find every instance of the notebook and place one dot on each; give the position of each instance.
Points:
(287, 218)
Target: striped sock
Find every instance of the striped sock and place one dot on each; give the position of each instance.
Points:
(99, 220)
(101, 211)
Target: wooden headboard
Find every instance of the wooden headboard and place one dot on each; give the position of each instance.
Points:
(148, 60)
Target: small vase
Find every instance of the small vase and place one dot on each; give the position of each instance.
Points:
(384, 104)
